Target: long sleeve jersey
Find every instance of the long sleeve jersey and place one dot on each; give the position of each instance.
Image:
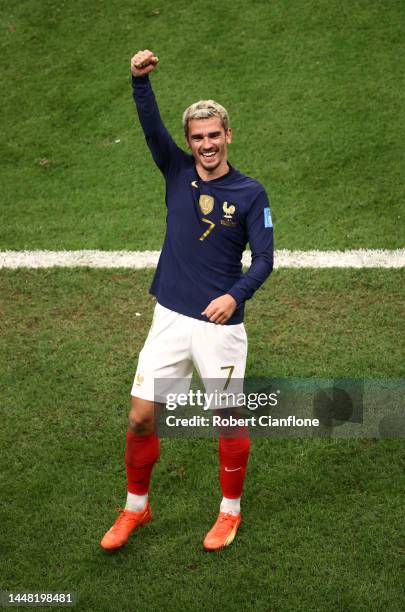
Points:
(209, 224)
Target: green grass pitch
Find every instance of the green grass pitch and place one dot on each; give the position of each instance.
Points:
(322, 518)
(315, 94)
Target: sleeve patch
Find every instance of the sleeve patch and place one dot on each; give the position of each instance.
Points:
(267, 218)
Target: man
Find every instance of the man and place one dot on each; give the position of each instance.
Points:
(212, 212)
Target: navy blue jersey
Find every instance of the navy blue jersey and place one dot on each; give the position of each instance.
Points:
(209, 224)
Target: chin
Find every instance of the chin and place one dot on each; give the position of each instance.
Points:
(209, 167)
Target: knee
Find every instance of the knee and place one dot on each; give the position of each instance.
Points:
(140, 424)
(141, 421)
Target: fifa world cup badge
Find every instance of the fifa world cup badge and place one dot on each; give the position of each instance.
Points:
(206, 204)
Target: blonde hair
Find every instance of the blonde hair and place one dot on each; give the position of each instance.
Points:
(203, 109)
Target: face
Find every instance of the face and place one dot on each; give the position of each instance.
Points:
(208, 142)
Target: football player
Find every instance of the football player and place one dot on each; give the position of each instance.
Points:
(213, 210)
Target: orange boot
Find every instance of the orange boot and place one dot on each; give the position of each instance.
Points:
(127, 521)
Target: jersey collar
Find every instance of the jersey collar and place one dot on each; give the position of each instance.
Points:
(220, 179)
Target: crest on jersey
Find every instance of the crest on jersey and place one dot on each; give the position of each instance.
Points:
(228, 219)
(206, 204)
(139, 380)
(228, 209)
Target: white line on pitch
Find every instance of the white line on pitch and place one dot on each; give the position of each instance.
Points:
(361, 258)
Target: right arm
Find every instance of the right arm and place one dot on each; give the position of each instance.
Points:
(159, 141)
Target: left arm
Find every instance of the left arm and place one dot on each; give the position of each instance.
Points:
(260, 236)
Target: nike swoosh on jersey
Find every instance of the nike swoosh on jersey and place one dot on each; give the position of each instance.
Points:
(194, 184)
(233, 470)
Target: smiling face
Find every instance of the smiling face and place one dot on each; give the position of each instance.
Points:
(208, 141)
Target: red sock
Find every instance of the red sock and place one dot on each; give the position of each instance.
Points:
(233, 459)
(141, 454)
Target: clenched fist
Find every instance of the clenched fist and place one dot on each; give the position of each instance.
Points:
(143, 62)
(221, 309)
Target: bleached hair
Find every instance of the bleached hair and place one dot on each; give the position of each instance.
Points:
(203, 109)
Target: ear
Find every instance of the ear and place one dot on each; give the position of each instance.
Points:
(228, 136)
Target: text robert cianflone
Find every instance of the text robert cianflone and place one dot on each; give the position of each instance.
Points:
(221, 399)
(231, 421)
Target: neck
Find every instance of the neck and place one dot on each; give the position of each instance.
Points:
(209, 175)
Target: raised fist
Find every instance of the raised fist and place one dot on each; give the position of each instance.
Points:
(143, 62)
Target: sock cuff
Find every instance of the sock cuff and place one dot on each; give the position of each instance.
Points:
(144, 438)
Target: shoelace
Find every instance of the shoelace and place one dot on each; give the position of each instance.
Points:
(123, 517)
(223, 521)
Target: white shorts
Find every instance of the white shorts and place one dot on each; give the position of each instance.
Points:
(177, 343)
